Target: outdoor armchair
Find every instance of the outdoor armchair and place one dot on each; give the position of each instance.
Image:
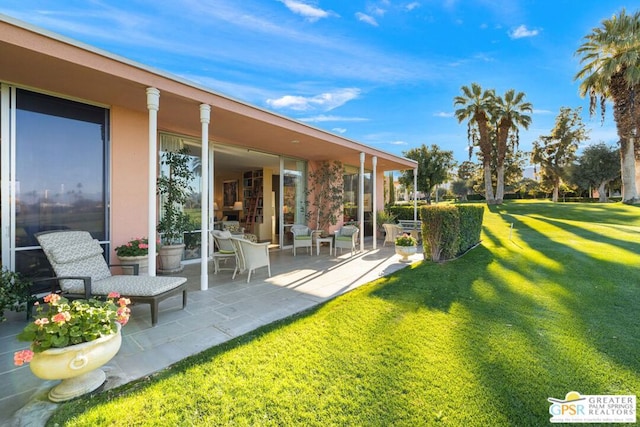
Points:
(82, 272)
(391, 231)
(226, 251)
(346, 238)
(302, 237)
(250, 256)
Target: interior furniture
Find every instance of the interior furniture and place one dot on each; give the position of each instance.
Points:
(251, 256)
(82, 272)
(302, 237)
(346, 238)
(391, 231)
(225, 251)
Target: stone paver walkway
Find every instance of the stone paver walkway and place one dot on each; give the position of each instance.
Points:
(229, 308)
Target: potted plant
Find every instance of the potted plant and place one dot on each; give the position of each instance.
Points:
(174, 188)
(406, 246)
(14, 292)
(135, 251)
(71, 340)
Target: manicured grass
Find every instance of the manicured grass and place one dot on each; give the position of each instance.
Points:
(536, 311)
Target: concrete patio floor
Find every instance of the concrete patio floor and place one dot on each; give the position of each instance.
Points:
(228, 309)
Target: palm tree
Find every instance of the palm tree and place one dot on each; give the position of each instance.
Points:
(508, 115)
(611, 58)
(476, 105)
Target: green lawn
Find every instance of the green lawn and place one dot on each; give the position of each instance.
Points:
(536, 311)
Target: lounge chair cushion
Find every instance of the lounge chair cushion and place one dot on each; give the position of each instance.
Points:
(77, 252)
(143, 286)
(303, 237)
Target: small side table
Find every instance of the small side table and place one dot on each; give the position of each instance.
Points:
(320, 240)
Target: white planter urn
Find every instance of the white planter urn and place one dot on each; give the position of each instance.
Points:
(142, 261)
(405, 252)
(170, 258)
(76, 365)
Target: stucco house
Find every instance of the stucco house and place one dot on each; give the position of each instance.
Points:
(82, 130)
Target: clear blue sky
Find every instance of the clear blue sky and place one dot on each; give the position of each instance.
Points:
(382, 72)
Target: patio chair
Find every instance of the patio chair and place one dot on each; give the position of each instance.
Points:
(82, 272)
(226, 251)
(391, 231)
(250, 256)
(302, 237)
(346, 238)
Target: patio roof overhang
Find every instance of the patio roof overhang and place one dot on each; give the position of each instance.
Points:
(35, 58)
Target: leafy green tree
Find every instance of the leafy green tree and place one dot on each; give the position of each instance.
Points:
(610, 56)
(475, 107)
(508, 115)
(596, 167)
(555, 152)
(434, 165)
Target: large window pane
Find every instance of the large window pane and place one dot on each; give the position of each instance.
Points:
(60, 168)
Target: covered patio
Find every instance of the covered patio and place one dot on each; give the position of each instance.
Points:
(227, 309)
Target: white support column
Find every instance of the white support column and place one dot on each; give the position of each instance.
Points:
(415, 194)
(361, 202)
(205, 117)
(153, 105)
(374, 201)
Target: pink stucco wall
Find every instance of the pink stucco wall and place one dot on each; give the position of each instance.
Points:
(129, 176)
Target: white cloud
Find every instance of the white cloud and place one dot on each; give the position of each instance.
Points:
(325, 101)
(311, 13)
(323, 118)
(377, 11)
(367, 19)
(412, 5)
(535, 111)
(339, 130)
(523, 31)
(443, 114)
(398, 143)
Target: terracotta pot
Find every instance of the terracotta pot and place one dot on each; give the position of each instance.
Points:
(405, 252)
(76, 365)
(142, 261)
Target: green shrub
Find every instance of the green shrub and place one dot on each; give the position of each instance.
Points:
(450, 230)
(14, 292)
(440, 231)
(404, 212)
(470, 226)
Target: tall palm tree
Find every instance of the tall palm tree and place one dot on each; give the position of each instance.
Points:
(611, 70)
(508, 115)
(475, 106)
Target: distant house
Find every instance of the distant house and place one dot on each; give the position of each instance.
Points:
(82, 131)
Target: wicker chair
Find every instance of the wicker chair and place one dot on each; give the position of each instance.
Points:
(391, 231)
(250, 256)
(346, 238)
(226, 251)
(302, 237)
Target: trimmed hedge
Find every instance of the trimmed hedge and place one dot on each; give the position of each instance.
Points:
(470, 226)
(404, 212)
(450, 230)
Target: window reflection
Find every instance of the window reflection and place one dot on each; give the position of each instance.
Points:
(60, 168)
